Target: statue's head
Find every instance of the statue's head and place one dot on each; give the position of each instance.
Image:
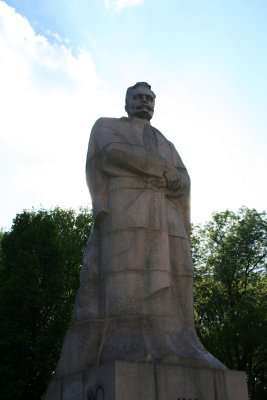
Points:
(140, 101)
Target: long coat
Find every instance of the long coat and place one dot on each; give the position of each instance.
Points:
(135, 300)
(144, 228)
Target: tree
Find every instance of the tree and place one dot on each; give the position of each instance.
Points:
(230, 256)
(40, 262)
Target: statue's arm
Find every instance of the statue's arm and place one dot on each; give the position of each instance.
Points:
(120, 157)
(182, 194)
(117, 156)
(94, 177)
(177, 181)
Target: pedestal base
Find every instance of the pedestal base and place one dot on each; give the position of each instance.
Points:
(143, 381)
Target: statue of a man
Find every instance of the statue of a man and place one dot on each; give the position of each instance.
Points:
(135, 301)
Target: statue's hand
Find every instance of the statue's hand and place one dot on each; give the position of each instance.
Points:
(158, 182)
(172, 178)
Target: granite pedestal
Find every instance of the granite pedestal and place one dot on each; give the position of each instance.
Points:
(144, 381)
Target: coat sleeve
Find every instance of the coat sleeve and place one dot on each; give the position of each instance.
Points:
(184, 199)
(118, 158)
(94, 177)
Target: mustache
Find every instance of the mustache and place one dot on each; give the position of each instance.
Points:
(146, 106)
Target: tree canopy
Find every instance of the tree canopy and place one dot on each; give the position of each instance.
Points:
(40, 262)
(230, 256)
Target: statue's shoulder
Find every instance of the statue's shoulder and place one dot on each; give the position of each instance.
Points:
(104, 123)
(162, 137)
(103, 131)
(165, 142)
(104, 127)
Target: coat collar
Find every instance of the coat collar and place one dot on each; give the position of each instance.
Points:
(132, 129)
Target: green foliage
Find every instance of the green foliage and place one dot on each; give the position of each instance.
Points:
(230, 256)
(40, 262)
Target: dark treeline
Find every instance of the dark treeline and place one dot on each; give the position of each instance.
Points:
(40, 261)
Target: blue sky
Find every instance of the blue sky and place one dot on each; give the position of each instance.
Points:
(64, 63)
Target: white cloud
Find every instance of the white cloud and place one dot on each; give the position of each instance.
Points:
(118, 5)
(49, 100)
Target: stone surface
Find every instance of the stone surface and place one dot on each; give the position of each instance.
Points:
(122, 380)
(196, 383)
(236, 385)
(73, 387)
(185, 383)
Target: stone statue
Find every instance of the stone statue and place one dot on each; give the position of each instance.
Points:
(135, 302)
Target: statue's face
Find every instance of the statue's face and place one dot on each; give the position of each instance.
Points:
(141, 104)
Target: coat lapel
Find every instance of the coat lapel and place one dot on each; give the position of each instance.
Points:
(164, 147)
(130, 130)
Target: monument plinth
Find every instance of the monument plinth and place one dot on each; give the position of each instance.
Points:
(123, 380)
(133, 334)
